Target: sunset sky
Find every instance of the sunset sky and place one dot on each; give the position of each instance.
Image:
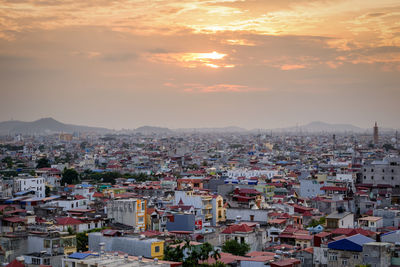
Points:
(187, 63)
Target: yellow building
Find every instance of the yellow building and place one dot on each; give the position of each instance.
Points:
(130, 212)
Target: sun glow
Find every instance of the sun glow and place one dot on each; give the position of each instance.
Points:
(193, 60)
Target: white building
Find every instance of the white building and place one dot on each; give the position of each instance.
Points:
(30, 183)
(251, 173)
(128, 211)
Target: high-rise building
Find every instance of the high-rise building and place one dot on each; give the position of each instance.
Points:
(376, 136)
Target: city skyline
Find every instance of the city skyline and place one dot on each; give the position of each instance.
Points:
(191, 64)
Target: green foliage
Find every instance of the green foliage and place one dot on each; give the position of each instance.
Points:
(9, 147)
(47, 191)
(9, 161)
(71, 231)
(388, 147)
(191, 256)
(109, 177)
(70, 176)
(314, 223)
(82, 239)
(43, 163)
(235, 248)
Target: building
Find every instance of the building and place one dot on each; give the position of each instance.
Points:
(250, 234)
(30, 183)
(134, 246)
(382, 172)
(347, 251)
(377, 254)
(371, 223)
(210, 206)
(52, 243)
(376, 135)
(113, 260)
(340, 220)
(130, 212)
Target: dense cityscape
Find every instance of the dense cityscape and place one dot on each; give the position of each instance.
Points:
(157, 197)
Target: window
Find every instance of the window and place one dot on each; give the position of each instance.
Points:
(392, 170)
(392, 178)
(242, 239)
(372, 177)
(251, 218)
(333, 257)
(355, 256)
(46, 261)
(46, 243)
(325, 253)
(372, 170)
(36, 261)
(344, 262)
(157, 249)
(143, 207)
(383, 177)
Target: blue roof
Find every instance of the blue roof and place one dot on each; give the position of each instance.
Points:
(352, 243)
(21, 193)
(78, 255)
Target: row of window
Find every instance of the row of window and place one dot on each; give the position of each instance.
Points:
(383, 170)
(383, 177)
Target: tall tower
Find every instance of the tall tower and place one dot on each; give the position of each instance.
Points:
(376, 137)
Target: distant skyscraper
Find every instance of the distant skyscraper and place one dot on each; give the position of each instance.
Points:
(376, 137)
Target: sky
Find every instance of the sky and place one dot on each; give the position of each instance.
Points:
(194, 63)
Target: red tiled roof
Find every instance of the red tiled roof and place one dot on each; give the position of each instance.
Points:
(334, 188)
(79, 197)
(67, 221)
(98, 194)
(242, 228)
(14, 219)
(15, 263)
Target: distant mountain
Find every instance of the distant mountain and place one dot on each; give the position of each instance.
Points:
(45, 126)
(152, 130)
(229, 129)
(319, 126)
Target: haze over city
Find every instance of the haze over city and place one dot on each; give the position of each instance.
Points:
(252, 64)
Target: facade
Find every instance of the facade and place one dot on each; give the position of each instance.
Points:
(377, 254)
(254, 236)
(386, 171)
(53, 243)
(250, 215)
(207, 205)
(130, 212)
(310, 188)
(111, 260)
(30, 183)
(134, 246)
(340, 220)
(347, 251)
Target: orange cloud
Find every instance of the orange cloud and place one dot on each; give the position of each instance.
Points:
(292, 67)
(218, 88)
(193, 60)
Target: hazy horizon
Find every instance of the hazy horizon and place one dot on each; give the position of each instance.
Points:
(194, 64)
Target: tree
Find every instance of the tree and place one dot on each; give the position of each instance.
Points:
(9, 161)
(43, 163)
(235, 248)
(388, 147)
(82, 239)
(191, 256)
(47, 191)
(69, 176)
